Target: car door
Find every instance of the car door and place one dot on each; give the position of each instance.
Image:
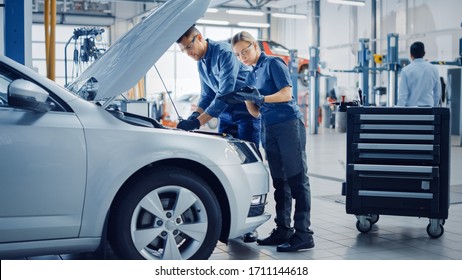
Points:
(42, 169)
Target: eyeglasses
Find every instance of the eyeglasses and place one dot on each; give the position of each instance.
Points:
(244, 52)
(190, 45)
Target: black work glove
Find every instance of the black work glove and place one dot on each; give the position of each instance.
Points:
(251, 94)
(189, 124)
(194, 116)
(231, 98)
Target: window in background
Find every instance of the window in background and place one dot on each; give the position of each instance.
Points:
(179, 72)
(166, 69)
(218, 33)
(253, 31)
(187, 77)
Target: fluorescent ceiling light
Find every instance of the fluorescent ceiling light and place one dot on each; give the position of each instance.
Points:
(348, 2)
(212, 10)
(285, 15)
(246, 12)
(253, 24)
(213, 22)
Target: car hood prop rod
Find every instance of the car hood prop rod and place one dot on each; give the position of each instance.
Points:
(168, 93)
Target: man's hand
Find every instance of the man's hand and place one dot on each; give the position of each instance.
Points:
(194, 116)
(189, 124)
(251, 94)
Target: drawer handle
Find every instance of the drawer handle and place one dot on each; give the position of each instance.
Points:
(393, 168)
(396, 194)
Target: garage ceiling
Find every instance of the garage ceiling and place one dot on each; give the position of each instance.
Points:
(279, 4)
(104, 7)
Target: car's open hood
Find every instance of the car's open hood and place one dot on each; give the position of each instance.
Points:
(132, 55)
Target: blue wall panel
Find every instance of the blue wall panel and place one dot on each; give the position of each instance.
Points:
(14, 30)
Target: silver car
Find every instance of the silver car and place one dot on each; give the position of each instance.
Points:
(75, 173)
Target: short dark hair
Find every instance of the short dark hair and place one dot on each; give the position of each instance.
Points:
(418, 50)
(191, 30)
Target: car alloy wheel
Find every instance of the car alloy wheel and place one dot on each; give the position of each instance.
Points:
(171, 214)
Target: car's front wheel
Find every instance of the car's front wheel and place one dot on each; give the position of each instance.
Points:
(169, 214)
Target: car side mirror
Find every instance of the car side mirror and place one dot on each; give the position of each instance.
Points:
(27, 95)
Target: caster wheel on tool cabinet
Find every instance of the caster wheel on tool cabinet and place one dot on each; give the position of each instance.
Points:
(374, 218)
(435, 233)
(364, 227)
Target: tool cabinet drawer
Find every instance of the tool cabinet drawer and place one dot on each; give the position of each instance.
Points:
(391, 153)
(393, 178)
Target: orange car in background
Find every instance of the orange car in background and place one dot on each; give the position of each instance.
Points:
(276, 49)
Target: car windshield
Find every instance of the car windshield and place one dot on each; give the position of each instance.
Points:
(278, 48)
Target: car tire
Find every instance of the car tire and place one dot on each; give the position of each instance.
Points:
(168, 214)
(303, 76)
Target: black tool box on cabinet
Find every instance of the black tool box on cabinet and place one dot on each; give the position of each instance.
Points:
(398, 162)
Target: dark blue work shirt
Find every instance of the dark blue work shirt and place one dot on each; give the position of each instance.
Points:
(269, 76)
(221, 73)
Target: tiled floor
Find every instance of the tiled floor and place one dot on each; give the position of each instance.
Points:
(336, 236)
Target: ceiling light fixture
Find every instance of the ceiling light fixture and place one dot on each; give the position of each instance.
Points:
(253, 24)
(285, 15)
(246, 12)
(213, 22)
(348, 2)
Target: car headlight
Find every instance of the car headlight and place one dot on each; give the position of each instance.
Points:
(244, 151)
(257, 205)
(258, 199)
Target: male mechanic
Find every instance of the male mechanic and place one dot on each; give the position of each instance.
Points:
(220, 73)
(420, 82)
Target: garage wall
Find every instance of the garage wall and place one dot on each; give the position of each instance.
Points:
(436, 23)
